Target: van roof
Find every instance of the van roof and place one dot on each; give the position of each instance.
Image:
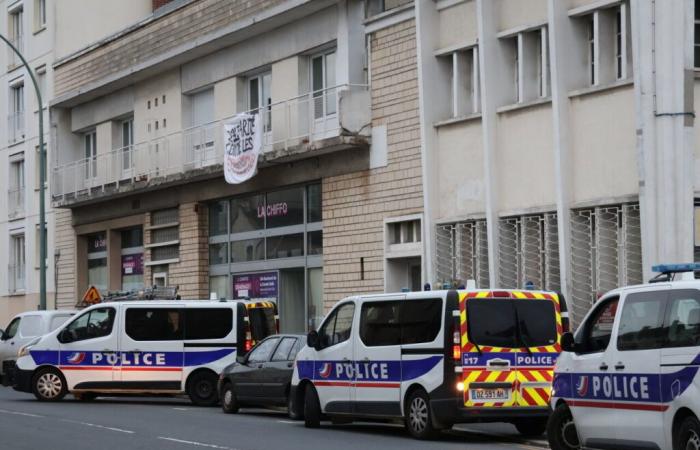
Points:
(177, 302)
(53, 312)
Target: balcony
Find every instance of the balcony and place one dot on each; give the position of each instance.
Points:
(13, 60)
(312, 124)
(15, 127)
(15, 203)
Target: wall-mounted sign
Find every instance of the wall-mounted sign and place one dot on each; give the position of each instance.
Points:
(242, 144)
(132, 264)
(256, 285)
(97, 243)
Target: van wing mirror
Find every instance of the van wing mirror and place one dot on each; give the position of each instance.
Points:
(312, 339)
(568, 343)
(65, 336)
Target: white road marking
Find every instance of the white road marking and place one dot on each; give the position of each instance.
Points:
(197, 444)
(181, 409)
(17, 413)
(102, 427)
(287, 421)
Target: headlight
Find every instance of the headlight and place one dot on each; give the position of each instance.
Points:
(24, 350)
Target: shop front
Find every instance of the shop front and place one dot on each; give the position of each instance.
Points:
(269, 246)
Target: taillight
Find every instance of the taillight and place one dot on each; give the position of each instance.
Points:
(248, 344)
(456, 352)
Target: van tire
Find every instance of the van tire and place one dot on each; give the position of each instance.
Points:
(561, 429)
(418, 417)
(229, 403)
(312, 408)
(688, 434)
(533, 427)
(201, 388)
(49, 385)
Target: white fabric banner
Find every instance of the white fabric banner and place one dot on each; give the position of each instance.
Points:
(242, 144)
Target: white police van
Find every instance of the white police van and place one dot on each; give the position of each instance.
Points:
(432, 359)
(628, 378)
(143, 347)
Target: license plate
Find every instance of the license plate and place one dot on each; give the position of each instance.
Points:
(484, 394)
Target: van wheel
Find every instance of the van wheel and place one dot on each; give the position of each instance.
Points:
(418, 417)
(202, 389)
(531, 427)
(312, 408)
(229, 404)
(49, 385)
(688, 435)
(561, 430)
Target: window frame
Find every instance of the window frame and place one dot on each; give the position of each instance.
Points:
(89, 314)
(262, 107)
(334, 316)
(584, 330)
(671, 298)
(632, 298)
(279, 345)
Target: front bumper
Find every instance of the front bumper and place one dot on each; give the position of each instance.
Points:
(8, 372)
(452, 411)
(22, 380)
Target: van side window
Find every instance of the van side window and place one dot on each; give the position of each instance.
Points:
(57, 321)
(30, 326)
(379, 324)
(641, 322)
(338, 326)
(598, 328)
(208, 323)
(154, 324)
(420, 320)
(93, 324)
(12, 328)
(683, 318)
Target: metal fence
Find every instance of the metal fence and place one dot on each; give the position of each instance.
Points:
(462, 253)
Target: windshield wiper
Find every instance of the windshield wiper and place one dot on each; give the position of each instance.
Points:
(521, 335)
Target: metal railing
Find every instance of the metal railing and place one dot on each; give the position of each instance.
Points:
(15, 202)
(299, 120)
(15, 127)
(17, 280)
(12, 58)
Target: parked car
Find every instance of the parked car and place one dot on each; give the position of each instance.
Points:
(21, 330)
(263, 376)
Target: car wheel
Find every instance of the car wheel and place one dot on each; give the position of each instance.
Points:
(229, 404)
(531, 427)
(49, 385)
(561, 430)
(418, 417)
(291, 410)
(688, 435)
(202, 389)
(312, 408)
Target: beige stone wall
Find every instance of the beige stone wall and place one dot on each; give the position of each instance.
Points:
(191, 274)
(66, 294)
(355, 205)
(153, 39)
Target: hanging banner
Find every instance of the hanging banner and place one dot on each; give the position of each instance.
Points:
(242, 144)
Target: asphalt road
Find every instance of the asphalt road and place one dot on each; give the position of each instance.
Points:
(174, 424)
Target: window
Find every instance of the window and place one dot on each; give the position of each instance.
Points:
(464, 81)
(682, 320)
(400, 322)
(262, 322)
(511, 323)
(16, 186)
(165, 238)
(338, 326)
(17, 263)
(12, 328)
(127, 143)
(41, 81)
(202, 108)
(284, 351)
(132, 259)
(90, 142)
(217, 218)
(420, 320)
(57, 321)
(592, 56)
(16, 31)
(248, 213)
(314, 243)
(641, 321)
(598, 329)
(285, 246)
(405, 232)
(536, 323)
(97, 260)
(262, 352)
(696, 37)
(154, 324)
(618, 44)
(379, 324)
(284, 207)
(461, 253)
(530, 64)
(260, 99)
(199, 140)
(30, 326)
(323, 84)
(92, 324)
(39, 14)
(208, 323)
(16, 112)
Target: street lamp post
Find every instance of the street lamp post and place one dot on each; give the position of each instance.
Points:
(42, 180)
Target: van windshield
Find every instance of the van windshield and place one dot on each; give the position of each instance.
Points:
(262, 323)
(511, 323)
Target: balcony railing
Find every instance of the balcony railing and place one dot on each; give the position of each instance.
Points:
(288, 124)
(12, 58)
(16, 276)
(15, 202)
(15, 127)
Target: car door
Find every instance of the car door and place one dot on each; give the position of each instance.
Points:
(278, 371)
(377, 355)
(590, 369)
(334, 373)
(8, 344)
(249, 379)
(634, 363)
(88, 349)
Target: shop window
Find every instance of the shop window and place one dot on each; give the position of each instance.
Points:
(285, 246)
(97, 261)
(248, 213)
(132, 259)
(247, 250)
(313, 202)
(218, 253)
(284, 208)
(315, 243)
(217, 218)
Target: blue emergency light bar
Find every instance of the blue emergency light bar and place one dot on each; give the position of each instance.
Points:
(676, 268)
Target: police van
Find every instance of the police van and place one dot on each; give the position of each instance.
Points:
(143, 347)
(432, 359)
(628, 377)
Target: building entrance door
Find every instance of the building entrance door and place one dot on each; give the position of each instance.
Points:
(291, 304)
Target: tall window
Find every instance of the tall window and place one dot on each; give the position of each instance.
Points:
(516, 70)
(97, 261)
(165, 236)
(323, 84)
(132, 258)
(17, 263)
(16, 185)
(259, 98)
(90, 141)
(200, 138)
(16, 30)
(529, 56)
(39, 14)
(16, 116)
(41, 81)
(696, 38)
(127, 132)
(592, 57)
(618, 43)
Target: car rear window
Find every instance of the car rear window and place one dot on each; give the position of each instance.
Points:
(262, 322)
(511, 323)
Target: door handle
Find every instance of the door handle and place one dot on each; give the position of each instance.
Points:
(603, 366)
(290, 364)
(345, 360)
(260, 366)
(12, 343)
(107, 350)
(619, 366)
(366, 359)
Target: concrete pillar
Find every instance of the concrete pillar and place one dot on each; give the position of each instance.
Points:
(350, 50)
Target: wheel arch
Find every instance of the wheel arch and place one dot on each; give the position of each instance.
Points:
(301, 389)
(197, 372)
(678, 418)
(409, 391)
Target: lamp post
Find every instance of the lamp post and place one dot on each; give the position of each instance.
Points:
(42, 180)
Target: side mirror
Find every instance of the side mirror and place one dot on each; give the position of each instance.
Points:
(568, 344)
(2, 335)
(65, 336)
(312, 339)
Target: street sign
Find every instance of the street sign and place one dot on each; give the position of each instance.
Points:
(92, 296)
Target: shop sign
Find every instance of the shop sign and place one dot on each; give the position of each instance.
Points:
(97, 243)
(242, 144)
(256, 285)
(274, 210)
(132, 264)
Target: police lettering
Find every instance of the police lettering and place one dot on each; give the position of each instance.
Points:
(535, 360)
(129, 359)
(632, 387)
(362, 370)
